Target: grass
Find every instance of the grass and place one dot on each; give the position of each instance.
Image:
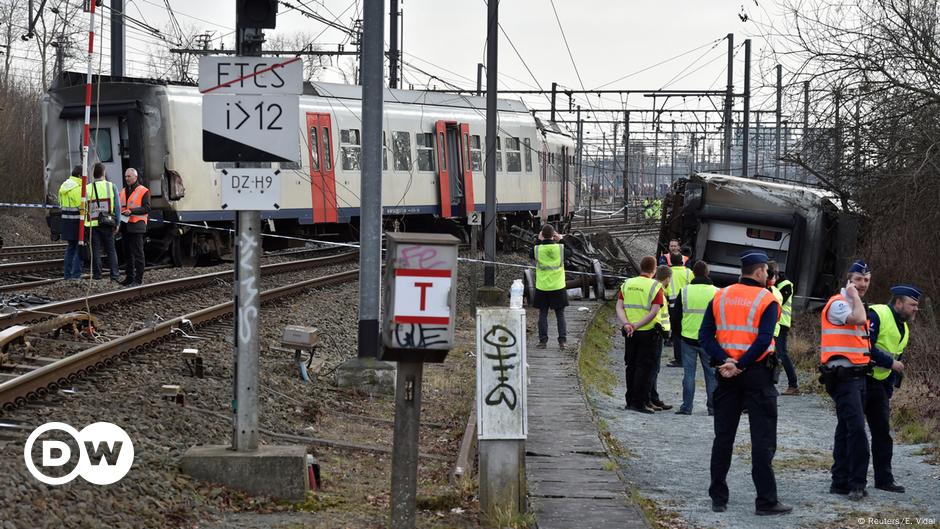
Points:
(594, 362)
(658, 517)
(506, 519)
(614, 448)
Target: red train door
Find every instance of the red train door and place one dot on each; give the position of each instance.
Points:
(443, 174)
(455, 179)
(322, 176)
(467, 166)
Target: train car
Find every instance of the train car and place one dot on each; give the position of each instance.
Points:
(432, 164)
(805, 229)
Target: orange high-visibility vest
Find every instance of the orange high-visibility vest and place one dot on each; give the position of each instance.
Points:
(136, 200)
(848, 341)
(738, 310)
(666, 256)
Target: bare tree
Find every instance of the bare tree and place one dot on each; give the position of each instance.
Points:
(12, 21)
(57, 25)
(300, 41)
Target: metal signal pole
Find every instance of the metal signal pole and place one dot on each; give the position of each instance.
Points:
(729, 103)
(489, 219)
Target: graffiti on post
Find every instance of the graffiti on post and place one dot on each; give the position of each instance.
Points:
(501, 338)
(419, 336)
(420, 257)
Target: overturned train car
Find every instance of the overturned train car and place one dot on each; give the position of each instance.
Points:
(805, 229)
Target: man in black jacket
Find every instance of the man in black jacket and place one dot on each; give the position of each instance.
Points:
(135, 205)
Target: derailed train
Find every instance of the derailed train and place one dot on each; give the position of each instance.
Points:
(805, 229)
(433, 157)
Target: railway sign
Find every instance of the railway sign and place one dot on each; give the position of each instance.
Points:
(250, 128)
(250, 189)
(475, 218)
(250, 108)
(250, 75)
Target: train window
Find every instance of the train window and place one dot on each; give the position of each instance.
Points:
(499, 154)
(401, 150)
(350, 149)
(425, 142)
(466, 152)
(314, 150)
(384, 152)
(327, 149)
(442, 153)
(513, 156)
(101, 145)
(527, 147)
(476, 153)
(767, 235)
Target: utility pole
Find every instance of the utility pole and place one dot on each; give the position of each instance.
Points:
(489, 236)
(757, 146)
(393, 44)
(729, 104)
(479, 79)
(745, 132)
(805, 128)
(656, 158)
(779, 120)
(672, 164)
(580, 153)
(554, 93)
(626, 164)
(786, 142)
(117, 38)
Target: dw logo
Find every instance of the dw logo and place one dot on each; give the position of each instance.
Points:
(105, 453)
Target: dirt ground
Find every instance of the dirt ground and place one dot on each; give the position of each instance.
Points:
(23, 226)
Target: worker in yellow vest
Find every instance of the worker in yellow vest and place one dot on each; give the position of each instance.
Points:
(692, 302)
(550, 292)
(845, 354)
(681, 276)
(772, 287)
(102, 222)
(638, 305)
(889, 333)
(664, 276)
(787, 290)
(70, 201)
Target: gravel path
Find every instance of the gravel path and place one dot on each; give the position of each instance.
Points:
(669, 462)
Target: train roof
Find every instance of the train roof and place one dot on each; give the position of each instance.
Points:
(316, 88)
(771, 191)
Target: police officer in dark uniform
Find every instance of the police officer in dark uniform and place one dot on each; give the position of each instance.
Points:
(737, 332)
(889, 333)
(846, 355)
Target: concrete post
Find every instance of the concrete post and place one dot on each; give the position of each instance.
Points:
(405, 449)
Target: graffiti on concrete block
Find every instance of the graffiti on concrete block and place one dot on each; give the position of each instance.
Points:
(501, 338)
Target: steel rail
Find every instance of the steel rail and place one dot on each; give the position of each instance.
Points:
(24, 267)
(62, 373)
(41, 312)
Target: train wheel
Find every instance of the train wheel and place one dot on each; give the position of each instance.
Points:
(600, 293)
(528, 281)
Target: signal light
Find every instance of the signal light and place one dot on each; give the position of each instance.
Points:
(256, 13)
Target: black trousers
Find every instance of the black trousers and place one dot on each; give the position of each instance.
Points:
(639, 358)
(752, 390)
(878, 414)
(850, 447)
(134, 256)
(675, 321)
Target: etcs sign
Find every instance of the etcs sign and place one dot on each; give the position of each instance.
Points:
(105, 453)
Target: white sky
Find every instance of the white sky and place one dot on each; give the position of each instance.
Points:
(609, 41)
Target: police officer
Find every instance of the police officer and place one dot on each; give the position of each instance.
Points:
(638, 305)
(550, 290)
(692, 302)
(888, 332)
(787, 290)
(70, 201)
(135, 206)
(737, 332)
(845, 355)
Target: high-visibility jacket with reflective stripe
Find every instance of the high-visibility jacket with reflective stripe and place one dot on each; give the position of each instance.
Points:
(100, 199)
(737, 310)
(638, 295)
(848, 341)
(889, 338)
(70, 197)
(681, 276)
(136, 200)
(549, 267)
(695, 299)
(667, 260)
(779, 297)
(786, 311)
(663, 317)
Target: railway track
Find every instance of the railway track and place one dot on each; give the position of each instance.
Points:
(28, 251)
(62, 373)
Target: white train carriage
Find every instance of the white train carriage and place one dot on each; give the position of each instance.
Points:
(433, 160)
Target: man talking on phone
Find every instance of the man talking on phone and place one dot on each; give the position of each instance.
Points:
(846, 356)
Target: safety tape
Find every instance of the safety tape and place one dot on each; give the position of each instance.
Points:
(25, 205)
